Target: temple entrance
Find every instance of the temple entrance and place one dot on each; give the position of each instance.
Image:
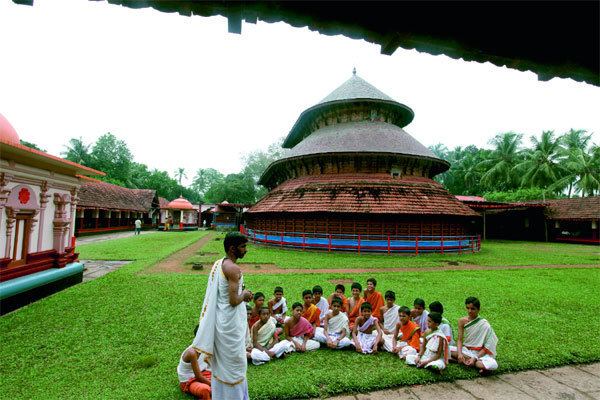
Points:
(20, 243)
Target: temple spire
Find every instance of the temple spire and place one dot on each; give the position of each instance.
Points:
(354, 71)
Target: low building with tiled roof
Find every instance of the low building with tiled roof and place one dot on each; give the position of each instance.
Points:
(104, 207)
(353, 175)
(574, 220)
(178, 214)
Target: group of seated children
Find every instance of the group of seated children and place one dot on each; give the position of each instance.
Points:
(366, 321)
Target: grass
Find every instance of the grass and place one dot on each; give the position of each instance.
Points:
(493, 253)
(120, 336)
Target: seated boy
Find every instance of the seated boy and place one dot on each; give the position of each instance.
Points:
(434, 349)
(389, 319)
(320, 302)
(477, 341)
(278, 305)
(373, 297)
(311, 312)
(410, 335)
(259, 301)
(367, 332)
(335, 330)
(419, 314)
(194, 376)
(299, 331)
(266, 346)
(354, 304)
(445, 327)
(340, 291)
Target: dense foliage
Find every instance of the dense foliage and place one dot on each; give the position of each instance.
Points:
(554, 166)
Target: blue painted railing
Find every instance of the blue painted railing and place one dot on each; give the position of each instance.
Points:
(366, 243)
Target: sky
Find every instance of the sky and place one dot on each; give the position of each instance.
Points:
(183, 92)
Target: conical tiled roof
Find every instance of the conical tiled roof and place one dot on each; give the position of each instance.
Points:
(356, 88)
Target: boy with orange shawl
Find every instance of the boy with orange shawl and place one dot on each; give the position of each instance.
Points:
(411, 335)
(310, 311)
(354, 304)
(434, 349)
(339, 292)
(374, 297)
(299, 331)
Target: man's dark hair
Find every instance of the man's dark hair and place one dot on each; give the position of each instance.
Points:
(436, 306)
(278, 289)
(356, 285)
(372, 280)
(341, 287)
(474, 301)
(366, 306)
(317, 289)
(435, 317)
(390, 295)
(234, 239)
(307, 291)
(258, 295)
(419, 302)
(404, 310)
(336, 300)
(296, 305)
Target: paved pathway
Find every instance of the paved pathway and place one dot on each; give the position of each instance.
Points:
(109, 236)
(97, 268)
(570, 382)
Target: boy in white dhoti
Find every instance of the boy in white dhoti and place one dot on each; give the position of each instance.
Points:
(477, 341)
(278, 305)
(299, 331)
(321, 303)
(419, 314)
(434, 349)
(445, 326)
(266, 346)
(410, 334)
(335, 329)
(390, 318)
(367, 332)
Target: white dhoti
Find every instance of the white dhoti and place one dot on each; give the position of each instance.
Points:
(310, 344)
(436, 364)
(367, 341)
(406, 350)
(387, 342)
(220, 390)
(334, 337)
(488, 361)
(260, 357)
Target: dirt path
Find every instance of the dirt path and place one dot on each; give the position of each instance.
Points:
(175, 262)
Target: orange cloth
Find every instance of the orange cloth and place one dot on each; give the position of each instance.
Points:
(312, 314)
(344, 301)
(197, 389)
(253, 320)
(411, 329)
(376, 300)
(355, 312)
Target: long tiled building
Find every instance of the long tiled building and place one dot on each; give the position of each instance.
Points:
(353, 172)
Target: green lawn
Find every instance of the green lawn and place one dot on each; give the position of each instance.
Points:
(493, 253)
(120, 336)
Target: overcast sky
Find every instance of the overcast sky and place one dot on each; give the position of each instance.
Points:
(183, 92)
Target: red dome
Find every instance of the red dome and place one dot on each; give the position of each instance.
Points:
(7, 132)
(180, 204)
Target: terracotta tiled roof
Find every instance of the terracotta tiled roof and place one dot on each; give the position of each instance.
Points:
(362, 193)
(180, 204)
(107, 196)
(469, 198)
(163, 203)
(577, 208)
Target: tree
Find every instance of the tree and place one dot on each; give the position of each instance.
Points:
(113, 157)
(541, 167)
(179, 174)
(583, 172)
(572, 143)
(235, 188)
(500, 164)
(32, 145)
(204, 179)
(77, 151)
(256, 162)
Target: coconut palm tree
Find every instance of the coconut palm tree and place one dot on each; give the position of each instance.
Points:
(499, 166)
(542, 165)
(583, 172)
(77, 151)
(180, 174)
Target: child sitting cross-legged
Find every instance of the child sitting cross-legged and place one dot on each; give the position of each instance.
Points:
(265, 344)
(434, 349)
(335, 331)
(367, 332)
(409, 333)
(299, 331)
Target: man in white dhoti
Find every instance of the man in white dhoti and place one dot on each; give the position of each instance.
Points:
(266, 346)
(391, 318)
(434, 350)
(477, 341)
(223, 324)
(335, 330)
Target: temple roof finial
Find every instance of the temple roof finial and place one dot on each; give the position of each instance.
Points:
(354, 71)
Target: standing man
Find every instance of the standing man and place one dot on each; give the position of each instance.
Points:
(223, 323)
(138, 226)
